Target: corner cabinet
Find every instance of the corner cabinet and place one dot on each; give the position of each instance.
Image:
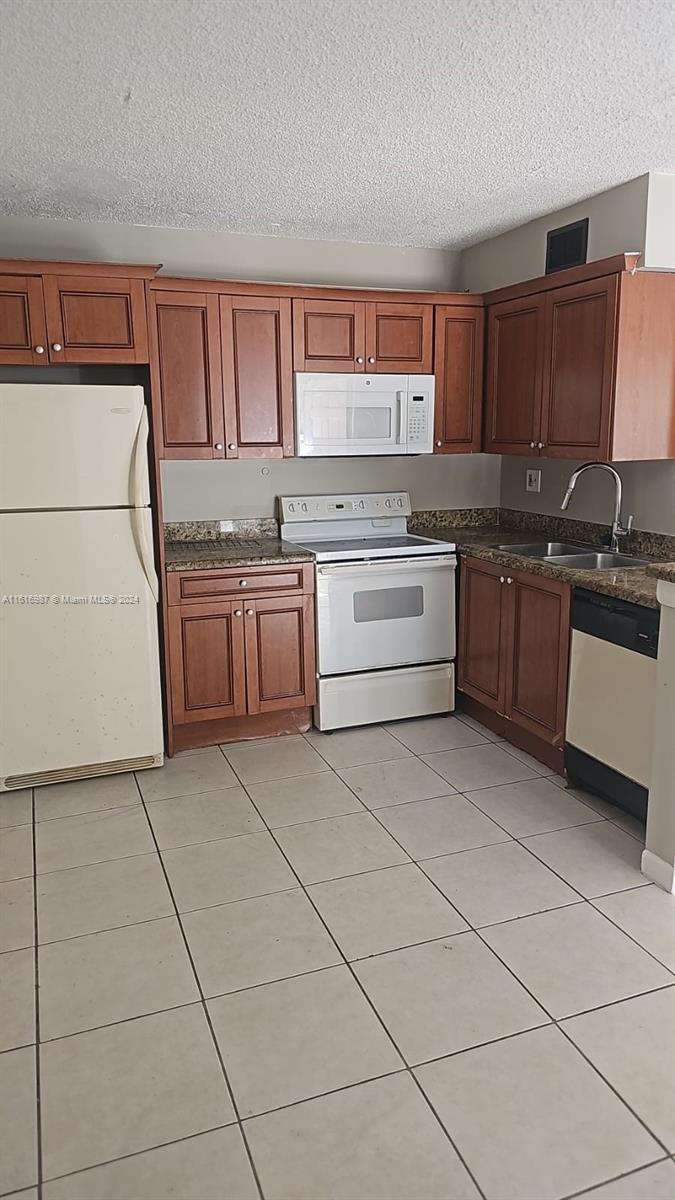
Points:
(458, 368)
(514, 634)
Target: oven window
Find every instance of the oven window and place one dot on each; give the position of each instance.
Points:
(388, 604)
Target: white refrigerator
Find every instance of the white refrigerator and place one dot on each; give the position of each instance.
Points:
(80, 688)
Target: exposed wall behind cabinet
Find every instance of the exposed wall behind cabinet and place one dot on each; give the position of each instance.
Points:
(649, 491)
(202, 491)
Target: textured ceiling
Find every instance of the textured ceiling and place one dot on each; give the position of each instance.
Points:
(403, 122)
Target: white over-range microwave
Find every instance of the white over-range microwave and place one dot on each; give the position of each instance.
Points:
(363, 414)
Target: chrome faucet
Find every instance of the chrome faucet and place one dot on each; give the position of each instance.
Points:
(618, 529)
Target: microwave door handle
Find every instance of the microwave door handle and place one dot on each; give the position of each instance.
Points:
(401, 397)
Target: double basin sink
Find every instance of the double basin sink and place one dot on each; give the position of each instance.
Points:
(566, 554)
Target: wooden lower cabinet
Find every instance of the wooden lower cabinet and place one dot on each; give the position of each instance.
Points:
(280, 670)
(208, 662)
(514, 634)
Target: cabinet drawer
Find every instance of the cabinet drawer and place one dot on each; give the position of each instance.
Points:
(195, 586)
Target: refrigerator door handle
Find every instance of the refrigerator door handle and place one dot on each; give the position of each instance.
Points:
(140, 518)
(139, 464)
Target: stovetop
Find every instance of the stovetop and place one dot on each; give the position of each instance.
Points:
(355, 527)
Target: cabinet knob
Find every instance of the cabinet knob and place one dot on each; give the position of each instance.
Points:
(57, 346)
(509, 579)
(533, 445)
(249, 612)
(359, 359)
(237, 612)
(232, 445)
(39, 349)
(371, 360)
(218, 446)
(439, 443)
(540, 445)
(502, 579)
(243, 583)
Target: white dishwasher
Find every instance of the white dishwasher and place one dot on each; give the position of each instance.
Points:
(611, 697)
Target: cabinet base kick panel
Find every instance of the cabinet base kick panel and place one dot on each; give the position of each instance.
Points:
(375, 696)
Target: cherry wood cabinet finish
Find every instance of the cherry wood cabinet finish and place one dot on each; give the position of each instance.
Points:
(536, 675)
(399, 338)
(192, 587)
(483, 634)
(280, 670)
(643, 418)
(329, 335)
(207, 661)
(514, 368)
(68, 267)
(95, 320)
(257, 358)
(305, 291)
(22, 321)
(579, 347)
(186, 378)
(458, 368)
(615, 265)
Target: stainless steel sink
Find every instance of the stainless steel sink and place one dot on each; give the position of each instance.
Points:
(543, 549)
(596, 561)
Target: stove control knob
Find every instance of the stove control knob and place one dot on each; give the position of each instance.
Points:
(303, 507)
(387, 503)
(399, 502)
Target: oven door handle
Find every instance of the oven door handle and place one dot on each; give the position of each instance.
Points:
(447, 563)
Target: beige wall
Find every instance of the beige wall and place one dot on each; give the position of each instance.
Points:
(649, 491)
(232, 255)
(216, 490)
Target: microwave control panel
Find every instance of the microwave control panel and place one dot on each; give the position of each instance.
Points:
(418, 418)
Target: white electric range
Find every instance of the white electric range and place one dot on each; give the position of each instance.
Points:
(385, 608)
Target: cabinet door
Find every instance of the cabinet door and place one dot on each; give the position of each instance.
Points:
(515, 352)
(185, 372)
(399, 338)
(257, 376)
(579, 369)
(329, 335)
(483, 632)
(207, 662)
(458, 367)
(280, 661)
(536, 683)
(95, 320)
(23, 334)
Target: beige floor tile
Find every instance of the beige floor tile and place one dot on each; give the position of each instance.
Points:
(648, 915)
(443, 826)
(211, 1166)
(17, 999)
(257, 941)
(573, 959)
(377, 1140)
(18, 1120)
(129, 1087)
(16, 852)
(612, 812)
(425, 735)
(559, 1130)
(528, 759)
(595, 859)
(354, 747)
(498, 883)
(17, 923)
(85, 795)
(533, 806)
(305, 798)
(279, 758)
(479, 727)
(478, 767)
(92, 837)
(379, 785)
(384, 910)
(650, 1183)
(229, 869)
(187, 775)
(633, 1046)
(24, 1194)
(104, 895)
(321, 850)
(444, 996)
(204, 817)
(105, 977)
(15, 808)
(287, 1041)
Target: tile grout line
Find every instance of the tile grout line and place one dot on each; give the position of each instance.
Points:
(367, 998)
(38, 1080)
(204, 1005)
(590, 1192)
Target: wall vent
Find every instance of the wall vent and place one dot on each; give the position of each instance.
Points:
(567, 246)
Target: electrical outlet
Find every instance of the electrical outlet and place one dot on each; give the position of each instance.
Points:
(532, 480)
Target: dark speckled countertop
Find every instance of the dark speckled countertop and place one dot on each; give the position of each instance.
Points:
(662, 570)
(636, 584)
(204, 554)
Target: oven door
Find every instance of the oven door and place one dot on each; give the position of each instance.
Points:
(343, 414)
(385, 614)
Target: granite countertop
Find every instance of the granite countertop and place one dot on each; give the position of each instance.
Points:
(662, 570)
(636, 584)
(200, 555)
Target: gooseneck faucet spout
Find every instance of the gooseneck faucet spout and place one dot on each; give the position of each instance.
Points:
(618, 528)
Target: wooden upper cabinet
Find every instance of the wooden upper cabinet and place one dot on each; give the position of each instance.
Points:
(257, 361)
(329, 335)
(186, 374)
(399, 338)
(280, 668)
(95, 320)
(514, 364)
(483, 634)
(536, 675)
(23, 332)
(458, 367)
(578, 377)
(207, 661)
